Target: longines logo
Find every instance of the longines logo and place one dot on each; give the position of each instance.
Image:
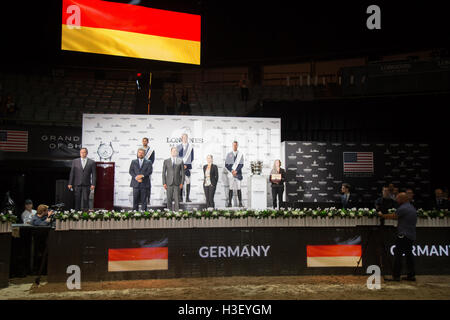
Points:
(142, 119)
(314, 164)
(322, 169)
(322, 183)
(292, 182)
(330, 176)
(314, 151)
(350, 144)
(292, 157)
(89, 117)
(242, 121)
(307, 156)
(178, 140)
(323, 194)
(292, 143)
(331, 188)
(307, 195)
(307, 169)
(307, 181)
(299, 176)
(315, 175)
(98, 125)
(126, 118)
(107, 131)
(159, 119)
(299, 162)
(321, 144)
(133, 139)
(292, 169)
(329, 163)
(89, 131)
(337, 181)
(149, 126)
(329, 150)
(106, 118)
(299, 150)
(218, 128)
(321, 157)
(292, 194)
(307, 143)
(125, 131)
(142, 132)
(300, 189)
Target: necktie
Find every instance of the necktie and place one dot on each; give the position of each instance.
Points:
(83, 162)
(140, 163)
(173, 163)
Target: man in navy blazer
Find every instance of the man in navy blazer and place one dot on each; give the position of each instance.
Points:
(140, 171)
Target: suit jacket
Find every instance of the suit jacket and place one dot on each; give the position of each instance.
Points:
(214, 174)
(351, 202)
(83, 177)
(146, 170)
(173, 176)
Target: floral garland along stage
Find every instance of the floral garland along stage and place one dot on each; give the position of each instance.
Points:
(106, 215)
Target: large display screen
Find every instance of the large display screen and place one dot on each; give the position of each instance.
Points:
(129, 30)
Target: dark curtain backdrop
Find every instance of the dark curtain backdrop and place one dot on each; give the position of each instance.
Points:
(417, 118)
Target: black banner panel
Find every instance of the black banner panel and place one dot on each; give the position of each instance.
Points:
(316, 170)
(214, 252)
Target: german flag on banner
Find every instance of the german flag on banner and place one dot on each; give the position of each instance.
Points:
(138, 259)
(128, 30)
(339, 255)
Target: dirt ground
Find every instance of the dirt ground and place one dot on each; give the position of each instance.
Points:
(230, 288)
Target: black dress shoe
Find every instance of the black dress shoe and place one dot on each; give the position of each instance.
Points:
(392, 279)
(409, 278)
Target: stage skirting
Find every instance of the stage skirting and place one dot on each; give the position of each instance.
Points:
(208, 249)
(5, 253)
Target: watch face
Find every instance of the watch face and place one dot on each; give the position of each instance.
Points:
(105, 151)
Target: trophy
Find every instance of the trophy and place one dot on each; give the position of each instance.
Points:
(256, 167)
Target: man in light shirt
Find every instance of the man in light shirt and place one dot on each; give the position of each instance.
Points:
(29, 212)
(233, 164)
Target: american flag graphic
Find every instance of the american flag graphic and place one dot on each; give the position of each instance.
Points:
(359, 162)
(13, 141)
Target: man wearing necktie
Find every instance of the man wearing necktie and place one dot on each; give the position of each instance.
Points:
(140, 171)
(186, 152)
(348, 200)
(173, 178)
(82, 179)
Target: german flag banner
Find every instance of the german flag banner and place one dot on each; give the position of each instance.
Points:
(138, 259)
(128, 30)
(339, 255)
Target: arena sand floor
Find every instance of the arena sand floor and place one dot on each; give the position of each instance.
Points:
(230, 288)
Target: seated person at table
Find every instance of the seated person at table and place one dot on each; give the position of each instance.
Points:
(29, 212)
(385, 202)
(42, 217)
(440, 201)
(348, 199)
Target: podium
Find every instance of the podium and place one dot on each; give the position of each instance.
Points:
(257, 192)
(104, 189)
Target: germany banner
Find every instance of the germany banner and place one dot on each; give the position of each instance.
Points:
(128, 30)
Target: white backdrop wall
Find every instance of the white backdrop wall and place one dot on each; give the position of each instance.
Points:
(259, 139)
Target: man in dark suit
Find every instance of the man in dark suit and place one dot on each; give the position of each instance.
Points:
(348, 199)
(82, 179)
(173, 178)
(140, 171)
(440, 201)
